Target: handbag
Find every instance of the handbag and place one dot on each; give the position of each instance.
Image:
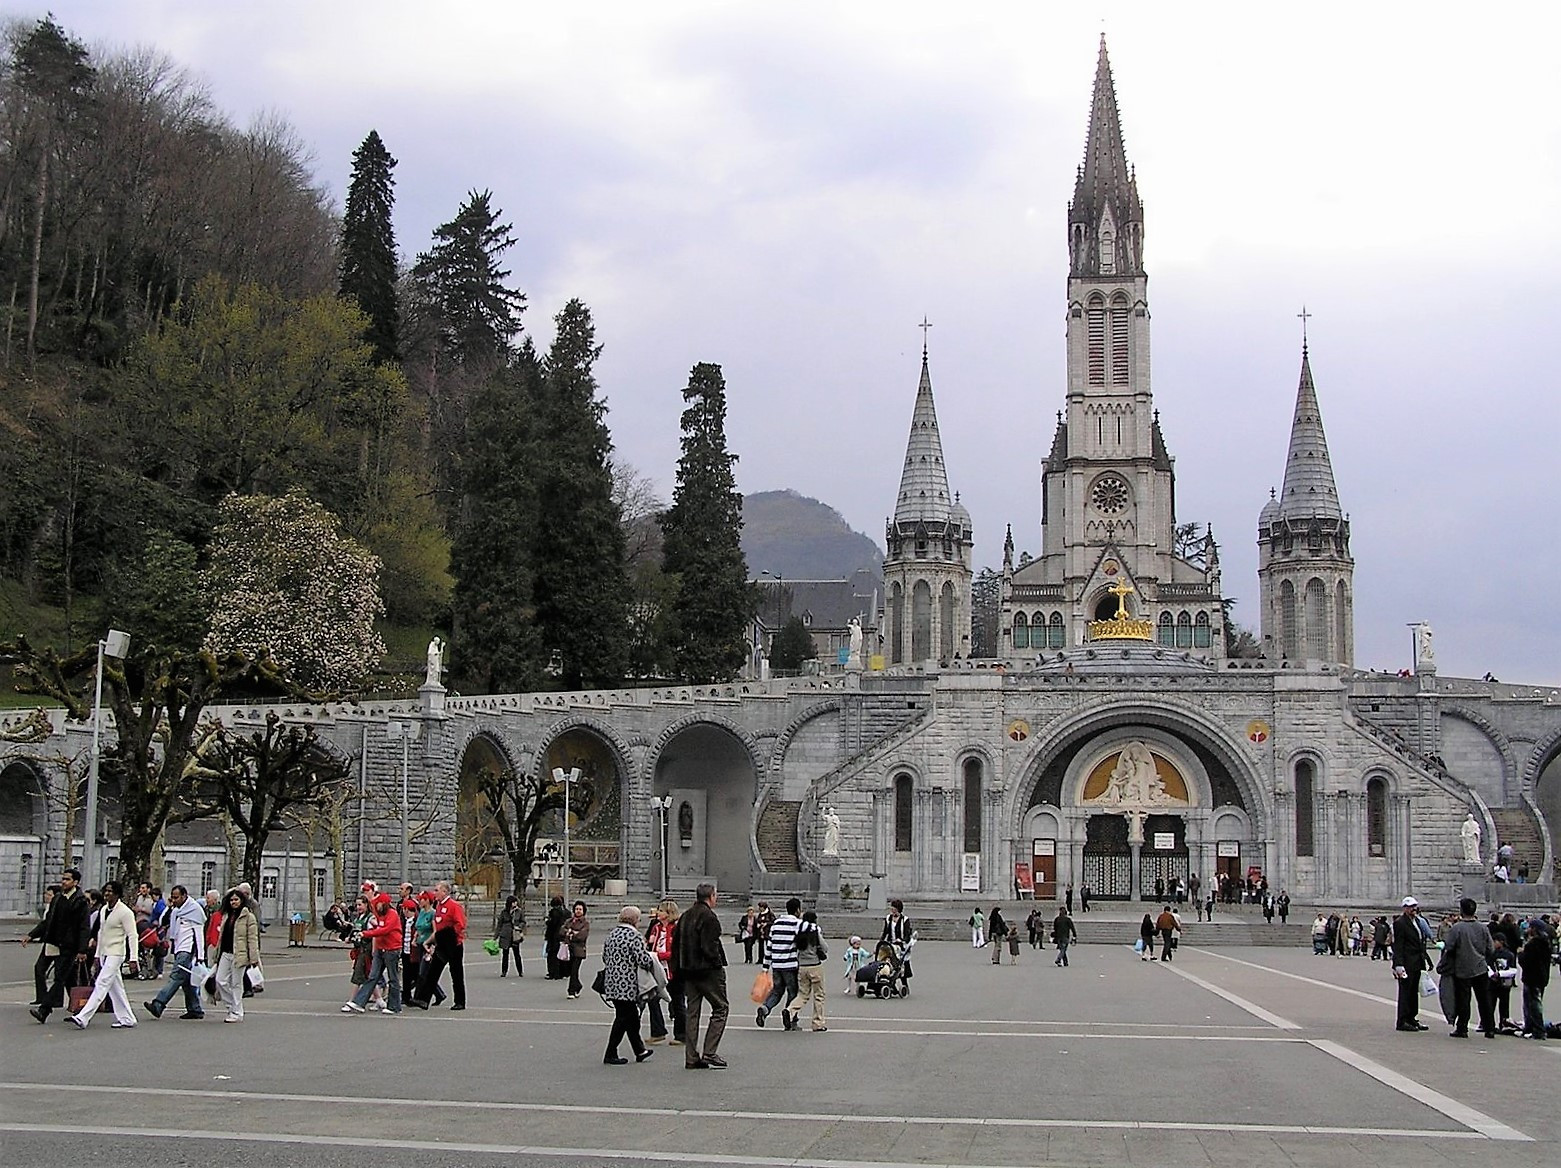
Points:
(762, 984)
(599, 982)
(79, 987)
(563, 951)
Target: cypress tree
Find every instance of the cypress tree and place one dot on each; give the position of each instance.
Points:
(581, 584)
(368, 245)
(496, 646)
(703, 549)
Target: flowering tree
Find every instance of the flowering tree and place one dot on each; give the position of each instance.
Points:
(285, 581)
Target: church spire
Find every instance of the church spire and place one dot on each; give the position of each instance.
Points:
(1309, 490)
(1106, 217)
(924, 483)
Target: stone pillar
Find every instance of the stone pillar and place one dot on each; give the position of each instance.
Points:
(829, 882)
(878, 864)
(432, 700)
(1133, 878)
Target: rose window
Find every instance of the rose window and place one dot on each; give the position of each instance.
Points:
(1109, 495)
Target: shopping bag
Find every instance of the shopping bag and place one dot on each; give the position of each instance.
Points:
(1138, 945)
(1428, 986)
(563, 951)
(491, 946)
(199, 972)
(257, 978)
(762, 983)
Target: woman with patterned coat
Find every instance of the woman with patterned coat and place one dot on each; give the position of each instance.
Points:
(623, 956)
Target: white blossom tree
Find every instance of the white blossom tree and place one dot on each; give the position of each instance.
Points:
(285, 581)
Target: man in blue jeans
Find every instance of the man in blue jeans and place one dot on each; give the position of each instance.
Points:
(186, 929)
(385, 935)
(780, 954)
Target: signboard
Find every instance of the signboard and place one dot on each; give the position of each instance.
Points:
(1227, 848)
(1044, 847)
(842, 654)
(875, 663)
(1024, 879)
(1164, 841)
(970, 872)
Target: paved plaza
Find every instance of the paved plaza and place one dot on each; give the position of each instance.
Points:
(1236, 1056)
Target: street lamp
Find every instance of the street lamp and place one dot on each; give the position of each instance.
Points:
(567, 778)
(663, 804)
(407, 732)
(116, 644)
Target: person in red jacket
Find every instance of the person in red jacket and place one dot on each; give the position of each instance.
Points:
(446, 948)
(385, 933)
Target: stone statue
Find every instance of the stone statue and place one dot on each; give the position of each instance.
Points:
(831, 832)
(435, 661)
(1134, 779)
(856, 639)
(1470, 833)
(1425, 652)
(1135, 827)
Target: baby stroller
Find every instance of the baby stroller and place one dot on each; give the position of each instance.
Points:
(888, 974)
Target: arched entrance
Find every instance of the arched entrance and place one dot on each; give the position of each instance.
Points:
(23, 833)
(595, 809)
(710, 776)
(480, 863)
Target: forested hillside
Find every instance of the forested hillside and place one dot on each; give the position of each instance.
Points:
(188, 318)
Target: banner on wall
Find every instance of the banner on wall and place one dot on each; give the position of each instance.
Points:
(970, 872)
(1024, 879)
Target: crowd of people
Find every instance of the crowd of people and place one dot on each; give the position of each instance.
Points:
(1479, 963)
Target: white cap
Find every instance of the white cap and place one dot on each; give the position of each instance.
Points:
(1411, 902)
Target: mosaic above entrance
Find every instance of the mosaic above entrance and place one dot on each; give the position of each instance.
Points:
(1135, 776)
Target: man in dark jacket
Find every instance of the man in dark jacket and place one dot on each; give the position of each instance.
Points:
(1534, 960)
(701, 960)
(1409, 962)
(63, 932)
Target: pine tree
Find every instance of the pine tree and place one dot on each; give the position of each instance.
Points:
(475, 317)
(703, 549)
(496, 645)
(581, 585)
(368, 245)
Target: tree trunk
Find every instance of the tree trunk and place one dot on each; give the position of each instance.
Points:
(254, 853)
(37, 250)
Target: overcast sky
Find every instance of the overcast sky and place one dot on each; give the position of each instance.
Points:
(787, 190)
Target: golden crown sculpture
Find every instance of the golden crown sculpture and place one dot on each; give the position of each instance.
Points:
(1121, 627)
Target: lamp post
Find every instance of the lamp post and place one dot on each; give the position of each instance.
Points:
(568, 778)
(663, 804)
(116, 644)
(407, 732)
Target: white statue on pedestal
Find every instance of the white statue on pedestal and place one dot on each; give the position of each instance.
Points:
(1425, 652)
(435, 661)
(831, 832)
(855, 659)
(1470, 833)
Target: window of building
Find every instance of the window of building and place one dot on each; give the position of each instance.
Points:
(1305, 797)
(1056, 631)
(1200, 631)
(1119, 345)
(1377, 817)
(1167, 630)
(170, 874)
(319, 883)
(268, 882)
(1287, 621)
(903, 793)
(1021, 631)
(1184, 630)
(27, 871)
(208, 876)
(972, 805)
(1095, 318)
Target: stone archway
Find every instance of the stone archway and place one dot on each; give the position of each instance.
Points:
(24, 825)
(597, 815)
(710, 774)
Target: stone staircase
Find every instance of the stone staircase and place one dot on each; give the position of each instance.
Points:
(777, 835)
(1516, 826)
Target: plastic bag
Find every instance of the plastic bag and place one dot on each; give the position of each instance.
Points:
(1138, 945)
(762, 984)
(491, 946)
(1428, 986)
(257, 979)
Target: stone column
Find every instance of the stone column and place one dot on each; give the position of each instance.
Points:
(878, 865)
(1135, 889)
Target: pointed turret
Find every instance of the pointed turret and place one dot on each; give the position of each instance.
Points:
(924, 482)
(1309, 491)
(1106, 217)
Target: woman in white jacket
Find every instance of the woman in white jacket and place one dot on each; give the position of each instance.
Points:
(117, 946)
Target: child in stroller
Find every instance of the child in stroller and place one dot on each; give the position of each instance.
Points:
(888, 974)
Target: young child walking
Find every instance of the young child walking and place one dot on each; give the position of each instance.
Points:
(855, 958)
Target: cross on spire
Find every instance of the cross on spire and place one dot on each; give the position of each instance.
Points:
(924, 326)
(1303, 316)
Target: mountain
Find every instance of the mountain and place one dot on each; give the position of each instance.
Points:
(797, 538)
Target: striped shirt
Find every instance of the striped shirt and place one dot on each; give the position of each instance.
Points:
(781, 948)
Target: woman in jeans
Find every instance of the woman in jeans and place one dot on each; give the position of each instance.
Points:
(623, 956)
(574, 933)
(659, 940)
(511, 932)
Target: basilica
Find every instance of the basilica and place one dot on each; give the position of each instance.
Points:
(1120, 745)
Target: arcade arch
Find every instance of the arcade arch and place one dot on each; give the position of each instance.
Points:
(710, 773)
